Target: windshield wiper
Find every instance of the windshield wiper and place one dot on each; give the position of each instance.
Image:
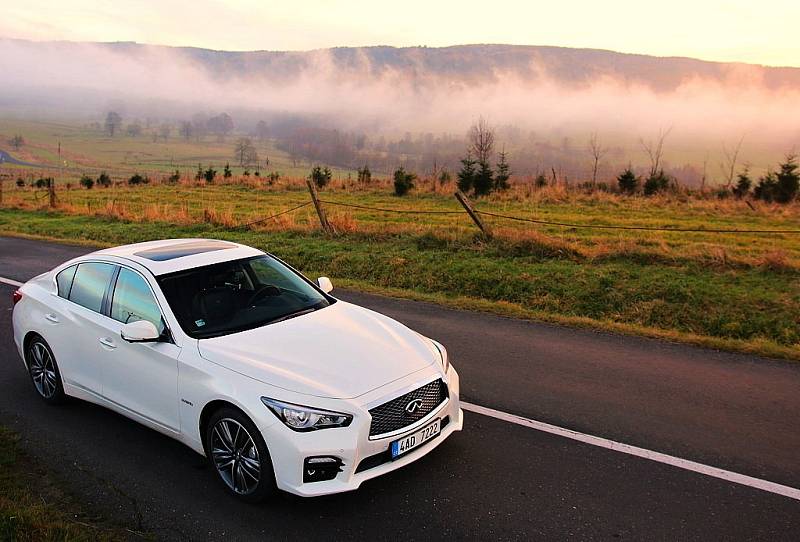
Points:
(294, 314)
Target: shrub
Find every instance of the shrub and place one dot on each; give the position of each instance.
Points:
(364, 175)
(766, 187)
(210, 174)
(540, 181)
(320, 176)
(403, 181)
(743, 184)
(657, 182)
(175, 177)
(87, 182)
(627, 180)
(226, 173)
(104, 180)
(444, 177)
(137, 179)
(41, 182)
(273, 177)
(20, 182)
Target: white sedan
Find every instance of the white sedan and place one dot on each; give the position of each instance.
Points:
(240, 357)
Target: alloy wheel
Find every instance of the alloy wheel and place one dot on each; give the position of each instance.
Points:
(235, 456)
(43, 370)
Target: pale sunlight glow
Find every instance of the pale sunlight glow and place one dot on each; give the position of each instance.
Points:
(740, 30)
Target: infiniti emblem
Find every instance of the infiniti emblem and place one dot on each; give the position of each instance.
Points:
(413, 406)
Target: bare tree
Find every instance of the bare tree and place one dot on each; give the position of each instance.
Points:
(598, 151)
(186, 129)
(655, 150)
(164, 130)
(113, 122)
(481, 140)
(245, 152)
(729, 163)
(17, 141)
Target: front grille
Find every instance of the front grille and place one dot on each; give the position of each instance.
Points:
(394, 414)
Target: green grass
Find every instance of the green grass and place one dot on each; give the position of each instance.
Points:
(89, 150)
(744, 307)
(34, 507)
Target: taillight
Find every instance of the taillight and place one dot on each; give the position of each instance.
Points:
(16, 296)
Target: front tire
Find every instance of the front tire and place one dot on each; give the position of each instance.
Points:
(43, 370)
(238, 455)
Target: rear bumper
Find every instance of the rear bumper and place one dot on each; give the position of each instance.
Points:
(352, 446)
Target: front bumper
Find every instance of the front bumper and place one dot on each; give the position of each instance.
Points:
(352, 445)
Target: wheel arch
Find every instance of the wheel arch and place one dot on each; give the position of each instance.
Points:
(26, 340)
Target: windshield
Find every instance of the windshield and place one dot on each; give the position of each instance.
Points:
(238, 295)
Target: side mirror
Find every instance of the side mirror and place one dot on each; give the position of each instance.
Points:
(140, 331)
(325, 284)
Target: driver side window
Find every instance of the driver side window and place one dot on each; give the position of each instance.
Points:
(133, 300)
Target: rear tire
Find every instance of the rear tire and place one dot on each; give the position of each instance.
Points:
(238, 456)
(44, 372)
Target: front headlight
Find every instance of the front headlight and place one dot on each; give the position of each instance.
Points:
(302, 418)
(443, 354)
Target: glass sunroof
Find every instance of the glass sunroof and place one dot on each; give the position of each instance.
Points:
(179, 250)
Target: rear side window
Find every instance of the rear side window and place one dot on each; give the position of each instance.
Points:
(64, 280)
(133, 300)
(90, 284)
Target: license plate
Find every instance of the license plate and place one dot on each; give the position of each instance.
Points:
(405, 444)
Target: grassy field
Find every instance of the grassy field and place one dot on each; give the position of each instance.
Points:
(87, 149)
(34, 507)
(739, 292)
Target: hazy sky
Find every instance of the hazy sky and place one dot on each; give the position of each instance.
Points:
(763, 32)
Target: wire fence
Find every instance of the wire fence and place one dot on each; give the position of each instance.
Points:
(528, 220)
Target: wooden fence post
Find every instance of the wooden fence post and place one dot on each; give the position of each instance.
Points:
(51, 189)
(323, 220)
(463, 200)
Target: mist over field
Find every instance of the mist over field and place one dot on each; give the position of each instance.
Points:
(534, 94)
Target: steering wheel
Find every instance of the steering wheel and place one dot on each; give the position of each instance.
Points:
(263, 291)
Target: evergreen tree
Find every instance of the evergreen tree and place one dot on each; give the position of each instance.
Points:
(321, 176)
(226, 173)
(403, 181)
(466, 177)
(484, 180)
(743, 184)
(628, 181)
(766, 187)
(788, 180)
(503, 173)
(655, 183)
(199, 175)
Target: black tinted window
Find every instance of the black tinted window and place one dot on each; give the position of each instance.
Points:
(90, 283)
(133, 300)
(238, 295)
(64, 280)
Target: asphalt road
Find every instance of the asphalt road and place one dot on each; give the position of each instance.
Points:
(6, 158)
(494, 480)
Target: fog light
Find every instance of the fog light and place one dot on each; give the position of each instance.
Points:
(321, 468)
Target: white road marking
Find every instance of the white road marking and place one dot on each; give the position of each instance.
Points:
(658, 457)
(10, 282)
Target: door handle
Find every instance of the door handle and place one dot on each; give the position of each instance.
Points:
(108, 343)
(51, 318)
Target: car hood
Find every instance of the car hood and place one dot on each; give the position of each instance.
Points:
(341, 351)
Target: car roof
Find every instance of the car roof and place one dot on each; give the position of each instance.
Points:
(170, 255)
